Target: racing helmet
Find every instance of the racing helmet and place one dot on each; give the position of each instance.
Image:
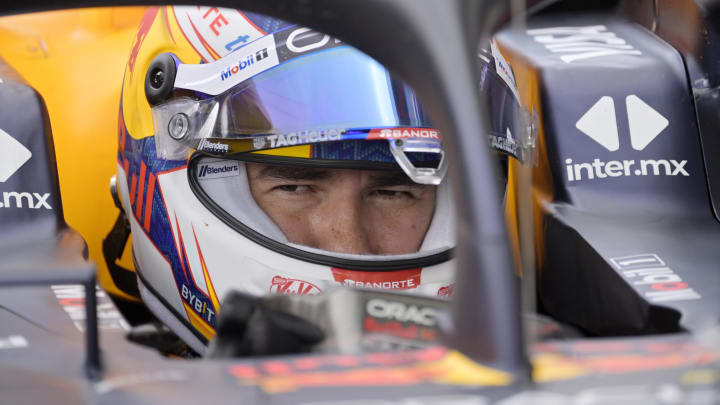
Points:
(209, 92)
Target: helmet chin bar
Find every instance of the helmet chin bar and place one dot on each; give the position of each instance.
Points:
(420, 175)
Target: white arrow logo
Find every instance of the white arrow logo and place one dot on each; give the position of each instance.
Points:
(12, 155)
(600, 123)
(645, 123)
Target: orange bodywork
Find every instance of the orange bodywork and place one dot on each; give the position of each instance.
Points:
(80, 54)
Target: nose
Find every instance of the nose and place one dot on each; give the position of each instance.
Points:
(338, 225)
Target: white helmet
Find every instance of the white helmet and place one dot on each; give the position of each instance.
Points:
(292, 99)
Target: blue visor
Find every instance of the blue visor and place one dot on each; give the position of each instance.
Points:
(320, 96)
(334, 89)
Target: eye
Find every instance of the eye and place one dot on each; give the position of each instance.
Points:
(292, 188)
(391, 194)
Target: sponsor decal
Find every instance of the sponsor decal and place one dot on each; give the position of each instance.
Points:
(12, 155)
(243, 63)
(259, 142)
(257, 56)
(397, 324)
(573, 359)
(72, 298)
(653, 278)
(282, 285)
(403, 133)
(616, 168)
(215, 147)
(303, 137)
(447, 291)
(216, 21)
(215, 31)
(505, 143)
(291, 43)
(34, 201)
(402, 312)
(216, 170)
(199, 304)
(503, 69)
(13, 342)
(388, 280)
(432, 365)
(580, 43)
(201, 307)
(645, 124)
(328, 362)
(218, 76)
(237, 42)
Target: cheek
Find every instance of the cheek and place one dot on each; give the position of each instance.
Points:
(293, 221)
(399, 231)
(295, 224)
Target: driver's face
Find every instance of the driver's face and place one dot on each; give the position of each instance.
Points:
(341, 210)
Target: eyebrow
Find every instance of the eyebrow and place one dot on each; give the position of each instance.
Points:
(390, 179)
(291, 173)
(294, 173)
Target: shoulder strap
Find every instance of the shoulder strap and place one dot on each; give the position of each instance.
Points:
(113, 247)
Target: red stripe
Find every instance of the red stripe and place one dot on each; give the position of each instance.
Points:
(149, 201)
(145, 25)
(126, 166)
(172, 170)
(167, 23)
(251, 23)
(121, 130)
(202, 260)
(133, 185)
(141, 187)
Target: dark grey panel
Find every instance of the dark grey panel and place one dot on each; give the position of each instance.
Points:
(30, 204)
(630, 240)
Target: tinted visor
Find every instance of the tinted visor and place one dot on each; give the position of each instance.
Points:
(338, 88)
(328, 95)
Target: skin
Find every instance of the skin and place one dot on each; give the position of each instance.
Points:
(342, 210)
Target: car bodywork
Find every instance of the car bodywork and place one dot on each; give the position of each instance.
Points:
(81, 53)
(598, 240)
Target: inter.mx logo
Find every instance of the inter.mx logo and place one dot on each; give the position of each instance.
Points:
(645, 124)
(12, 156)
